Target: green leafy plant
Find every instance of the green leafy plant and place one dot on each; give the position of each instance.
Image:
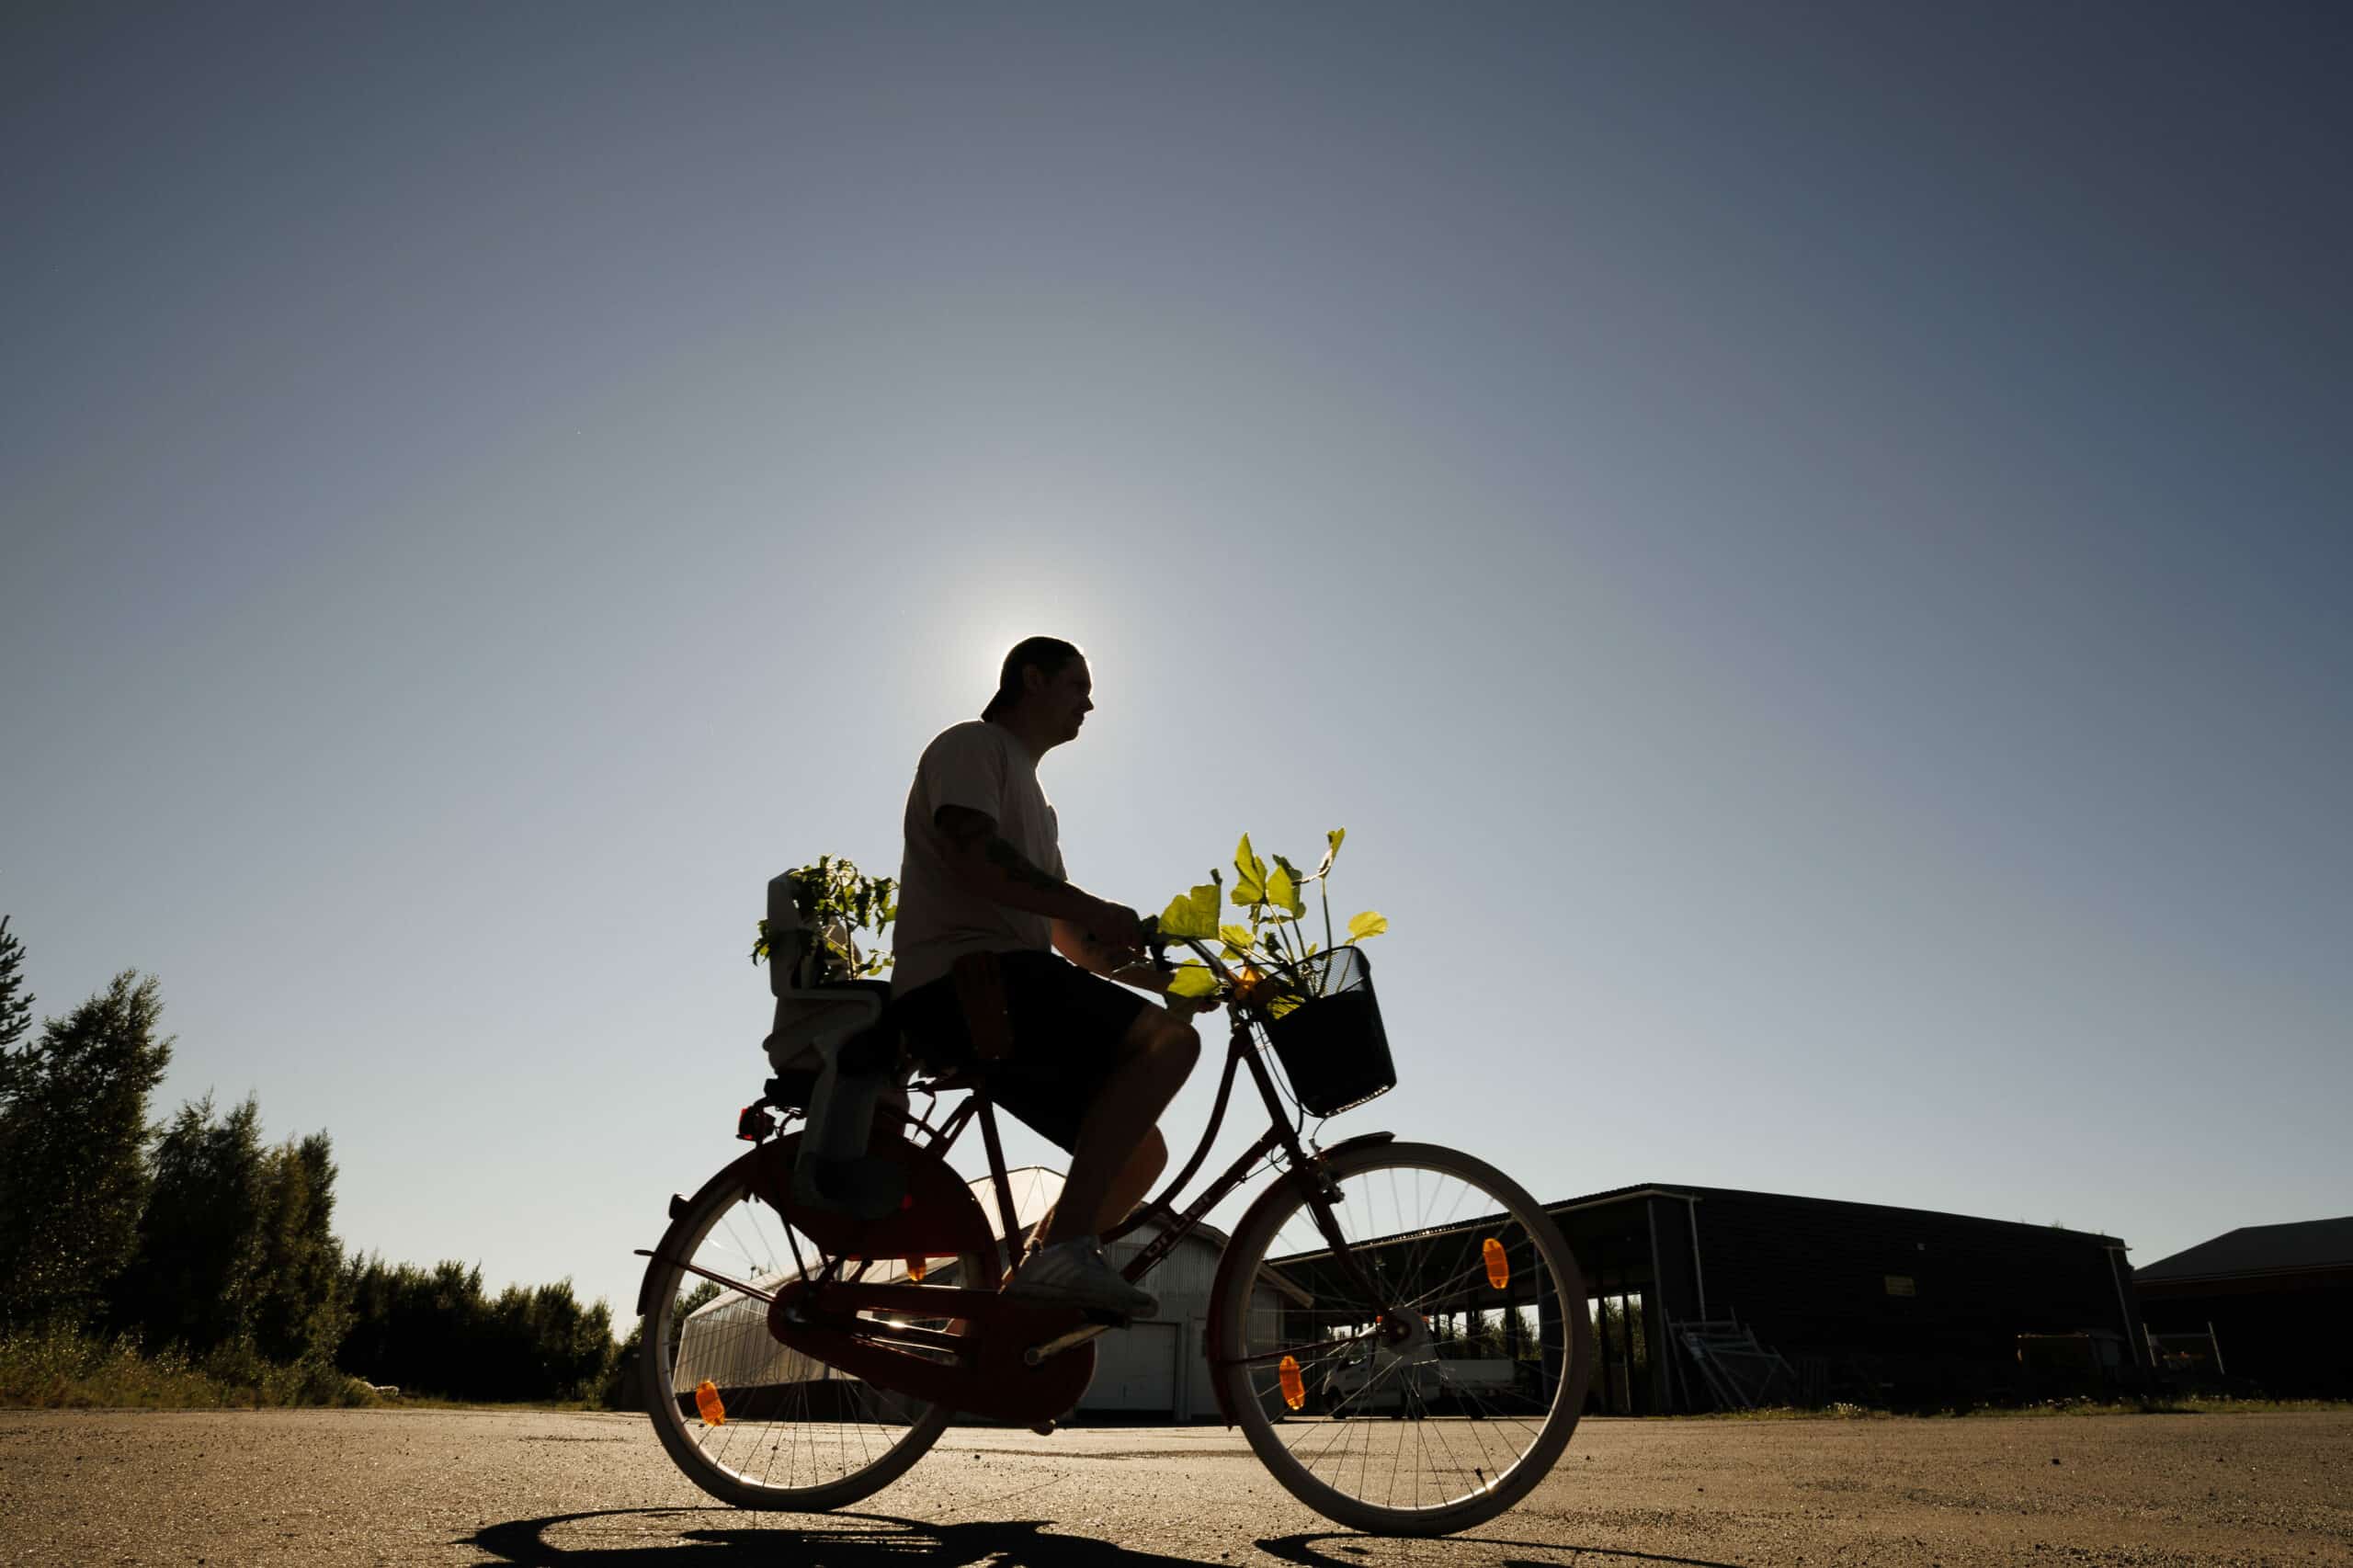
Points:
(839, 904)
(1268, 956)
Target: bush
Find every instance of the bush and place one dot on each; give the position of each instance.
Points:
(438, 1332)
(60, 1366)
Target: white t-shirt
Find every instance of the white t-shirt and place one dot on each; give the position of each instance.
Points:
(980, 765)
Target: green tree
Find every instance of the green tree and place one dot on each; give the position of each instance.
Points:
(196, 1279)
(16, 1002)
(74, 1174)
(300, 1314)
(1517, 1332)
(1618, 1333)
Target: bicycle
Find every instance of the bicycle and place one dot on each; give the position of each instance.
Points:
(796, 1358)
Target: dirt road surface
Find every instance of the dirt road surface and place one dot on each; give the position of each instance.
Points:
(468, 1487)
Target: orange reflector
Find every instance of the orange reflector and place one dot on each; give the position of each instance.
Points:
(916, 1268)
(714, 1413)
(1498, 1266)
(1294, 1386)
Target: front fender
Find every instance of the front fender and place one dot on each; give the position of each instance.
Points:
(1358, 1142)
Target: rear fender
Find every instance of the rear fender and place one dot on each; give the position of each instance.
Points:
(939, 1218)
(730, 1174)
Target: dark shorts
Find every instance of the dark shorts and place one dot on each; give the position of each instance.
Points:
(1067, 1026)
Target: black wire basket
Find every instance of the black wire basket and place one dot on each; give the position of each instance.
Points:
(1324, 1025)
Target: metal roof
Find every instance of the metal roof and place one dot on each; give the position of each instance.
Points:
(1700, 1194)
(2254, 1250)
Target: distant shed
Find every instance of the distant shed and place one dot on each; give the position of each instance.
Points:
(1718, 1297)
(2276, 1299)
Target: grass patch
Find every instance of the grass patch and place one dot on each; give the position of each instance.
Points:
(1840, 1411)
(2171, 1404)
(2144, 1405)
(65, 1368)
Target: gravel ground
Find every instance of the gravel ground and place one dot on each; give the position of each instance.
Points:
(483, 1487)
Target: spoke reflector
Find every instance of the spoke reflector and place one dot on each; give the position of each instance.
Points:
(707, 1400)
(1498, 1266)
(1294, 1386)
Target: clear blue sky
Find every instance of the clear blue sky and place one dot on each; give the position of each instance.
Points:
(1808, 546)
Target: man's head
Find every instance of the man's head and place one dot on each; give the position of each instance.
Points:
(1042, 692)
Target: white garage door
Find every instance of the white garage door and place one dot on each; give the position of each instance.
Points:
(1135, 1368)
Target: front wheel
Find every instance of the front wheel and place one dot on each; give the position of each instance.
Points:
(1465, 1319)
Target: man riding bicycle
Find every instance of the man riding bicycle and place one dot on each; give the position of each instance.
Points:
(1092, 1065)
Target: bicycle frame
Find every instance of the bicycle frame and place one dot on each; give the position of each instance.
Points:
(979, 1107)
(1280, 1137)
(820, 1314)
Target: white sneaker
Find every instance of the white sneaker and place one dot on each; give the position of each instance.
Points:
(1074, 1274)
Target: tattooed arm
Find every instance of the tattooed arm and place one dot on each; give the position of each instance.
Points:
(993, 867)
(1079, 945)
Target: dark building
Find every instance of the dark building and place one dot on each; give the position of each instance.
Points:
(1802, 1299)
(2277, 1301)
(1712, 1297)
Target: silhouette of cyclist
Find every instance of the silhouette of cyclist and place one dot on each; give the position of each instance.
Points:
(1093, 1063)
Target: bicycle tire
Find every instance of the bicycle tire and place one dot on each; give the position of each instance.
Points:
(913, 1427)
(1251, 1383)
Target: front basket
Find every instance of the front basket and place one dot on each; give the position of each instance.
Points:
(1329, 1038)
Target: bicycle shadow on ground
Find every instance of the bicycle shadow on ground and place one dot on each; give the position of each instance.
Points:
(843, 1540)
(879, 1540)
(1297, 1548)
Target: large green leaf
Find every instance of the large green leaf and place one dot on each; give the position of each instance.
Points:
(1192, 980)
(1192, 915)
(1368, 924)
(1295, 887)
(1282, 889)
(1250, 876)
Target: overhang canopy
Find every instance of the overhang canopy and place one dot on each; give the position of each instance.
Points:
(2258, 1252)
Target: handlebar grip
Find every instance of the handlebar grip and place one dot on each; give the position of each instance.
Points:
(1158, 949)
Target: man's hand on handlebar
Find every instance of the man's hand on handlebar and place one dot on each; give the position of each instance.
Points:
(1115, 928)
(1188, 1006)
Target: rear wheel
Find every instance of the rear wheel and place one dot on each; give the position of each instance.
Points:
(1473, 1335)
(790, 1433)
